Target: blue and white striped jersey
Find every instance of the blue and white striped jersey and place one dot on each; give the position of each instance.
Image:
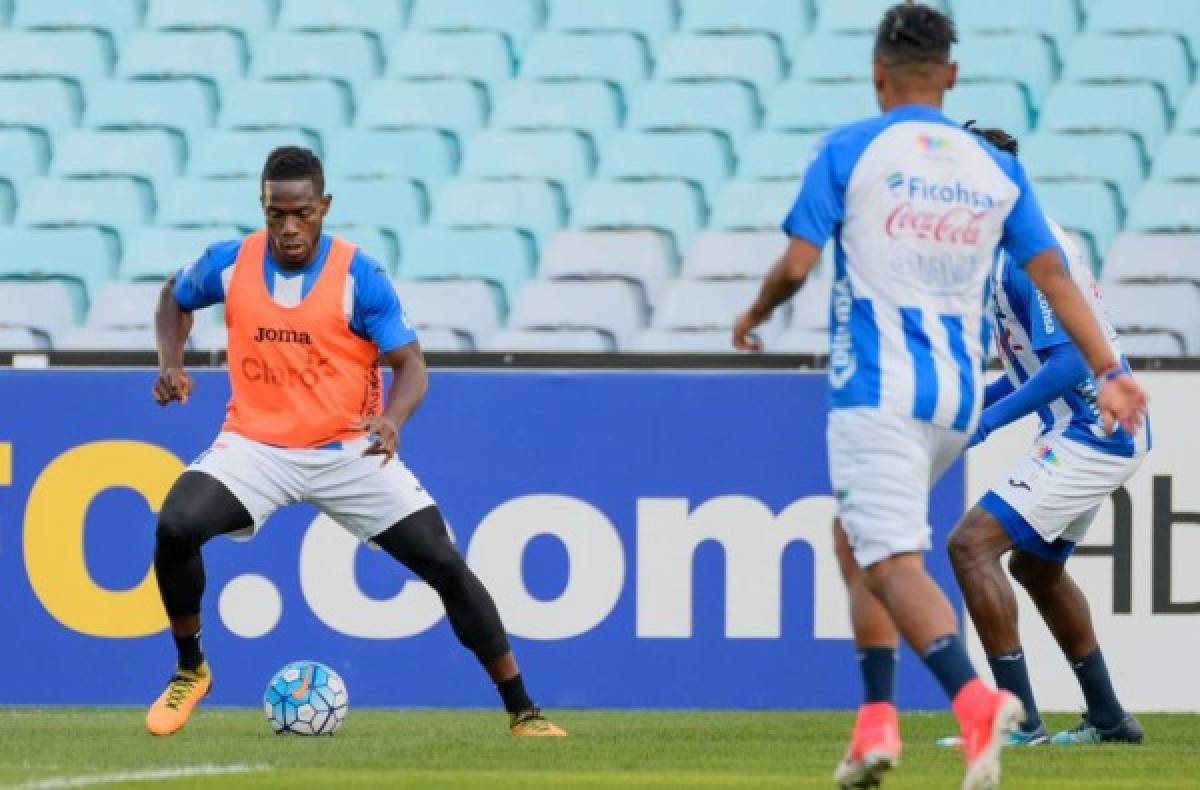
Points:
(1026, 329)
(916, 208)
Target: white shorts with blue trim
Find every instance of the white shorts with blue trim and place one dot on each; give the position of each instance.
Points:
(361, 493)
(1049, 498)
(882, 466)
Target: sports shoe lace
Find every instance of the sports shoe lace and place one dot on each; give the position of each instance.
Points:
(178, 690)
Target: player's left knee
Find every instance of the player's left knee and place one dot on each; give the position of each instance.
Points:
(973, 542)
(1033, 572)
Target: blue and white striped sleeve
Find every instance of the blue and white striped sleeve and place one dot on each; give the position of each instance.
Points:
(378, 315)
(199, 284)
(820, 205)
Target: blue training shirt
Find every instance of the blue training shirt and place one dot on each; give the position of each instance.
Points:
(373, 308)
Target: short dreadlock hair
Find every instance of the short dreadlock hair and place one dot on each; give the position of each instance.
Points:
(912, 34)
(997, 137)
(294, 163)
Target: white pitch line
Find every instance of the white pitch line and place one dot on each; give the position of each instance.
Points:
(148, 775)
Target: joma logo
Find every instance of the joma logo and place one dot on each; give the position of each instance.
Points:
(269, 335)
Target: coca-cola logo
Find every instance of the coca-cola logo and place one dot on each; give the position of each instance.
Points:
(958, 225)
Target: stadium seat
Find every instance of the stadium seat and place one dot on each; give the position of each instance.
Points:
(215, 55)
(83, 258)
(1171, 310)
(1111, 157)
(428, 155)
(700, 158)
(46, 308)
(78, 55)
(561, 341)
(1166, 207)
(1153, 258)
(1146, 16)
(154, 253)
(682, 341)
(1090, 208)
(181, 105)
(380, 18)
(501, 257)
(1159, 59)
(516, 19)
(209, 337)
(801, 341)
(24, 153)
(995, 104)
(152, 154)
(8, 201)
(777, 155)
(832, 57)
(1151, 344)
(753, 205)
(122, 305)
(559, 156)
(724, 255)
(444, 341)
(47, 105)
(21, 339)
(590, 107)
(696, 305)
(381, 245)
(728, 108)
(114, 18)
(481, 57)
(1135, 109)
(1187, 120)
(349, 57)
(86, 338)
(531, 206)
(395, 204)
(1058, 19)
(241, 153)
(810, 306)
(1178, 158)
(1025, 58)
(813, 106)
(196, 202)
(650, 19)
(245, 17)
(856, 16)
(640, 257)
(754, 59)
(466, 306)
(784, 20)
(110, 202)
(611, 308)
(672, 208)
(454, 106)
(619, 58)
(320, 106)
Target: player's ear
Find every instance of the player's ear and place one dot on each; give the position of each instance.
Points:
(951, 75)
(879, 77)
(326, 202)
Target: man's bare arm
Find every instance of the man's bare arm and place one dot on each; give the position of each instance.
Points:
(780, 284)
(409, 384)
(172, 325)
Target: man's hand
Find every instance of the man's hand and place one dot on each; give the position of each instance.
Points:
(386, 435)
(1122, 401)
(747, 322)
(172, 384)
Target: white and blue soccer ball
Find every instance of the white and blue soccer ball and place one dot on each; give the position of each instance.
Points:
(306, 698)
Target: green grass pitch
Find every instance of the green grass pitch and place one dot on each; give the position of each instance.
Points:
(49, 748)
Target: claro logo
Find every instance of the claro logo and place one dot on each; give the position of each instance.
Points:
(258, 369)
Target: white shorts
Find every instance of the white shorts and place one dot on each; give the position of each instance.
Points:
(882, 466)
(1049, 499)
(359, 492)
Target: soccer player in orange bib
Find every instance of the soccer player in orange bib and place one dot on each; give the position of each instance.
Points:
(309, 318)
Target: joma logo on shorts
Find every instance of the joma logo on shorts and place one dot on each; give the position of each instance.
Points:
(269, 335)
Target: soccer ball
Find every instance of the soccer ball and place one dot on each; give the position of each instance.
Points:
(306, 698)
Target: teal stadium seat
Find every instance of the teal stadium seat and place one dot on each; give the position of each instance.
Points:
(380, 18)
(1001, 104)
(642, 257)
(24, 153)
(1058, 19)
(46, 307)
(1025, 58)
(561, 157)
(124, 305)
(393, 204)
(1163, 207)
(114, 18)
(215, 55)
(44, 105)
(593, 108)
(318, 106)
(82, 56)
(753, 205)
(1188, 117)
(619, 58)
(200, 202)
(1105, 156)
(1091, 208)
(346, 56)
(815, 106)
(1178, 158)
(502, 257)
(856, 16)
(531, 206)
(83, 258)
(149, 252)
(155, 155)
(470, 308)
(700, 158)
(753, 59)
(724, 107)
(107, 202)
(1138, 110)
(672, 208)
(248, 18)
(614, 309)
(427, 155)
(483, 57)
(1147, 16)
(181, 105)
(380, 244)
(770, 155)
(786, 20)
(833, 57)
(241, 153)
(1161, 60)
(653, 20)
(516, 19)
(457, 107)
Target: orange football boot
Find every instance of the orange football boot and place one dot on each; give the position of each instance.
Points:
(874, 747)
(985, 718)
(532, 724)
(171, 710)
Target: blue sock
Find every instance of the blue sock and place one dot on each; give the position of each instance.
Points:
(1012, 675)
(947, 659)
(1103, 709)
(878, 666)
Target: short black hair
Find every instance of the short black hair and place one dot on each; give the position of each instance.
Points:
(294, 163)
(997, 137)
(913, 34)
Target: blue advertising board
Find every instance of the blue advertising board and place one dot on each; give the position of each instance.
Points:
(653, 539)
